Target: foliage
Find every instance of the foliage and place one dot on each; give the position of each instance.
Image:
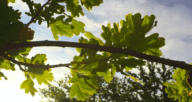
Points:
(129, 34)
(179, 89)
(121, 89)
(127, 37)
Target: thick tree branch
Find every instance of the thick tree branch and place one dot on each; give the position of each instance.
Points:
(180, 64)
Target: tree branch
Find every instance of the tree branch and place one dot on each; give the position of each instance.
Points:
(31, 65)
(40, 66)
(37, 14)
(180, 64)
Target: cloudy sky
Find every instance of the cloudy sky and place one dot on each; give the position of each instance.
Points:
(174, 24)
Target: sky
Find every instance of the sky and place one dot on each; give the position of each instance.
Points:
(174, 24)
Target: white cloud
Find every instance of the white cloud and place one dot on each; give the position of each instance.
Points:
(91, 25)
(19, 5)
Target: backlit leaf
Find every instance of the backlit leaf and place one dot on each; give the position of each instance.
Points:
(28, 85)
(78, 27)
(60, 28)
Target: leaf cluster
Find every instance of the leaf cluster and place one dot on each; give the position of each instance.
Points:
(120, 89)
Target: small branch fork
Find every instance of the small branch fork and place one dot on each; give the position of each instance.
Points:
(180, 64)
(37, 14)
(39, 66)
(31, 65)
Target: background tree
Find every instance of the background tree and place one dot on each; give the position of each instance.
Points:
(122, 89)
(58, 93)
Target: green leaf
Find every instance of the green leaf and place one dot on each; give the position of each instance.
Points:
(106, 75)
(45, 77)
(90, 3)
(154, 52)
(178, 89)
(113, 69)
(106, 35)
(92, 80)
(76, 91)
(69, 19)
(78, 50)
(42, 75)
(74, 8)
(60, 28)
(88, 52)
(2, 75)
(39, 59)
(28, 85)
(10, 31)
(149, 45)
(116, 33)
(135, 79)
(147, 23)
(117, 55)
(12, 1)
(20, 58)
(136, 20)
(153, 41)
(83, 90)
(78, 27)
(8, 15)
(128, 68)
(26, 51)
(38, 71)
(146, 20)
(167, 84)
(91, 65)
(89, 35)
(82, 52)
(6, 65)
(100, 41)
(103, 67)
(130, 62)
(77, 58)
(129, 21)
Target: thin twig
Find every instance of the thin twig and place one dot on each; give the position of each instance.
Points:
(40, 66)
(21, 67)
(37, 14)
(31, 65)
